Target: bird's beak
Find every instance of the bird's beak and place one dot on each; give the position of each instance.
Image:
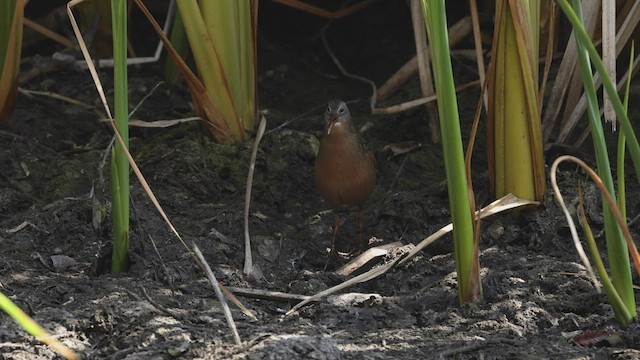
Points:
(333, 121)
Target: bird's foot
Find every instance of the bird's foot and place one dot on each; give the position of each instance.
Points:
(336, 258)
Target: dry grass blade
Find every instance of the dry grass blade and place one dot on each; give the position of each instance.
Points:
(87, 57)
(477, 41)
(248, 259)
(362, 259)
(100, 89)
(505, 203)
(56, 96)
(424, 67)
(134, 165)
(572, 226)
(633, 250)
(371, 274)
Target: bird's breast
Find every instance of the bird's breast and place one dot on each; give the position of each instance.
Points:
(344, 172)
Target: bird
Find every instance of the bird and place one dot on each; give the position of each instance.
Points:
(344, 170)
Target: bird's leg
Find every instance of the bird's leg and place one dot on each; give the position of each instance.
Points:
(336, 226)
(361, 238)
(333, 255)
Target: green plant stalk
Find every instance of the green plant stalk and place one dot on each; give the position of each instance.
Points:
(229, 23)
(33, 328)
(622, 206)
(469, 287)
(248, 14)
(632, 141)
(617, 304)
(7, 10)
(180, 44)
(222, 24)
(534, 29)
(515, 136)
(120, 163)
(210, 66)
(616, 246)
(11, 20)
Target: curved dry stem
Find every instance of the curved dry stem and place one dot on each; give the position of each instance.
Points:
(248, 259)
(572, 225)
(612, 205)
(134, 165)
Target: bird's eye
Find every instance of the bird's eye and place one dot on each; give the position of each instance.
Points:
(341, 110)
(328, 109)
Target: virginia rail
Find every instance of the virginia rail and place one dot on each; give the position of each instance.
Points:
(344, 171)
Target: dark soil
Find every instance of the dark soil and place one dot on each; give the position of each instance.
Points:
(54, 181)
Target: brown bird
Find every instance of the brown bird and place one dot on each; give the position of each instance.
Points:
(344, 171)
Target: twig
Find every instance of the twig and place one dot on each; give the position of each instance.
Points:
(473, 347)
(421, 101)
(333, 15)
(56, 96)
(21, 227)
(399, 78)
(461, 350)
(158, 306)
(374, 89)
(374, 97)
(144, 98)
(155, 248)
(216, 289)
(48, 33)
(457, 33)
(266, 294)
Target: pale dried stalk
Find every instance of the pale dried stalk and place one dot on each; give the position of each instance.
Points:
(134, 165)
(457, 32)
(609, 55)
(424, 67)
(507, 202)
(561, 83)
(248, 259)
(477, 40)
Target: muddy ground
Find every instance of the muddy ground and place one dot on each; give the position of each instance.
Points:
(54, 201)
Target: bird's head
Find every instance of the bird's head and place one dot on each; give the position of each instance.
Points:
(337, 116)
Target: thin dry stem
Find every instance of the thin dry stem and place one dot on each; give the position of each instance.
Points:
(248, 259)
(612, 205)
(219, 295)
